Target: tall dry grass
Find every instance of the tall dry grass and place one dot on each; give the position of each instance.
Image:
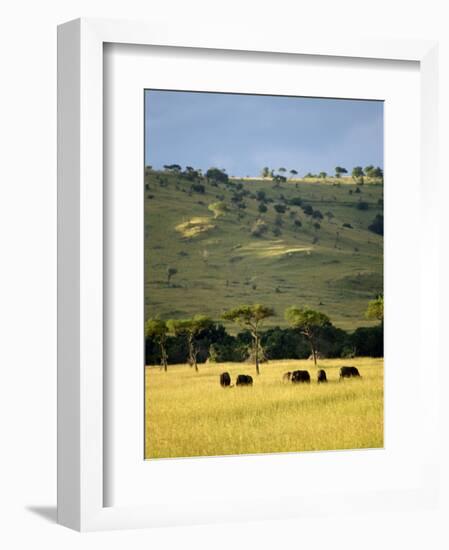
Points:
(189, 414)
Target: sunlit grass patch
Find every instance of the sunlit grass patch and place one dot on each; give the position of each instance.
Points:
(194, 227)
(189, 414)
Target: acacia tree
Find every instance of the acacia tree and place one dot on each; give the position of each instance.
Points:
(250, 317)
(308, 322)
(171, 272)
(215, 174)
(378, 173)
(265, 172)
(293, 172)
(357, 174)
(369, 171)
(157, 330)
(375, 309)
(339, 170)
(278, 179)
(191, 329)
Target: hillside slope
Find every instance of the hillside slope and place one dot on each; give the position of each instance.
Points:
(220, 263)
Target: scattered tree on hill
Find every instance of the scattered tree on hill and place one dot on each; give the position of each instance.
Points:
(316, 215)
(280, 208)
(262, 208)
(192, 330)
(191, 174)
(250, 317)
(158, 330)
(377, 225)
(282, 170)
(265, 172)
(215, 174)
(309, 323)
(322, 175)
(237, 197)
(375, 309)
(171, 272)
(297, 224)
(278, 179)
(307, 209)
(198, 188)
(261, 196)
(339, 170)
(172, 168)
(259, 228)
(357, 174)
(295, 201)
(293, 173)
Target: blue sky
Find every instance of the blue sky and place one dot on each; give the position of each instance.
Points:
(244, 133)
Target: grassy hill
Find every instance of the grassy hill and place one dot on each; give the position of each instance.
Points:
(220, 263)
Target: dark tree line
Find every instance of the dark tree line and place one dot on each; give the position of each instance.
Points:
(214, 343)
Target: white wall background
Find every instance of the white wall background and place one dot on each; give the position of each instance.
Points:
(28, 266)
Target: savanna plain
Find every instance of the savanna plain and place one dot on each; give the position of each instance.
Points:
(191, 415)
(205, 253)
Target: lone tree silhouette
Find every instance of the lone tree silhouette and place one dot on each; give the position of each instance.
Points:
(171, 272)
(250, 317)
(339, 170)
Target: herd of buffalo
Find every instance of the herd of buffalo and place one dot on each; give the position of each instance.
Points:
(296, 376)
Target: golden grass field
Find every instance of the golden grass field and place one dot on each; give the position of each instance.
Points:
(188, 413)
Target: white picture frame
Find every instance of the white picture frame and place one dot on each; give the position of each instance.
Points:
(81, 404)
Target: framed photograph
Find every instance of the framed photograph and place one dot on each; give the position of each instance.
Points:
(234, 212)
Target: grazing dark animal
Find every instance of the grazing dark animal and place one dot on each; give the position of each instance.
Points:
(299, 376)
(321, 376)
(244, 380)
(287, 376)
(349, 372)
(225, 379)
